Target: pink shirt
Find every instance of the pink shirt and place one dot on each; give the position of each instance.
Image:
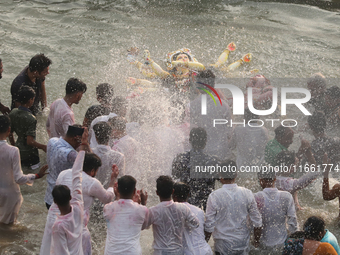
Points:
(61, 116)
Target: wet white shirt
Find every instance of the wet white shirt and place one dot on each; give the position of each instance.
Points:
(230, 216)
(108, 157)
(67, 229)
(278, 215)
(129, 148)
(168, 221)
(194, 239)
(60, 117)
(291, 185)
(11, 177)
(124, 225)
(250, 143)
(91, 188)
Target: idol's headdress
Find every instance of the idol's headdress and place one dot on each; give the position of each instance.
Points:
(172, 56)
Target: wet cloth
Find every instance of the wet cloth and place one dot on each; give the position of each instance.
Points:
(67, 229)
(250, 143)
(200, 188)
(11, 177)
(24, 124)
(291, 185)
(108, 157)
(92, 136)
(60, 156)
(295, 247)
(23, 79)
(273, 148)
(168, 221)
(60, 117)
(331, 239)
(278, 215)
(193, 239)
(129, 148)
(91, 189)
(124, 225)
(229, 210)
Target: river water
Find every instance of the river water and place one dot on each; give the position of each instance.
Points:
(89, 39)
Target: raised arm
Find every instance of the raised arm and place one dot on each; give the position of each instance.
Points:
(77, 169)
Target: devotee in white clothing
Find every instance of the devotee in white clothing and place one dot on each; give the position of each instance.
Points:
(125, 145)
(193, 239)
(61, 153)
(68, 227)
(91, 189)
(169, 220)
(278, 213)
(61, 114)
(250, 141)
(125, 219)
(227, 214)
(11, 176)
(108, 156)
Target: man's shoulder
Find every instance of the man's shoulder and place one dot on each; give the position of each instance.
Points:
(20, 79)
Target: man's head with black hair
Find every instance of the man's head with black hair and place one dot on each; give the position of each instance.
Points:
(198, 138)
(126, 186)
(39, 63)
(230, 172)
(5, 124)
(118, 125)
(25, 94)
(61, 195)
(314, 228)
(75, 85)
(317, 122)
(104, 93)
(102, 131)
(165, 186)
(284, 135)
(74, 134)
(91, 164)
(181, 192)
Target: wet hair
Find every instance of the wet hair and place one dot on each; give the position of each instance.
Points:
(118, 123)
(5, 123)
(164, 186)
(75, 85)
(126, 185)
(268, 176)
(248, 115)
(198, 138)
(181, 191)
(119, 104)
(333, 92)
(73, 132)
(25, 93)
(317, 122)
(39, 62)
(207, 76)
(103, 131)
(91, 161)
(230, 165)
(280, 131)
(297, 235)
(61, 195)
(105, 92)
(312, 228)
(317, 80)
(286, 158)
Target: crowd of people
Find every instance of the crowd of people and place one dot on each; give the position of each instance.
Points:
(122, 144)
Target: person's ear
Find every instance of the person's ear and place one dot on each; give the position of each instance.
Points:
(157, 192)
(134, 191)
